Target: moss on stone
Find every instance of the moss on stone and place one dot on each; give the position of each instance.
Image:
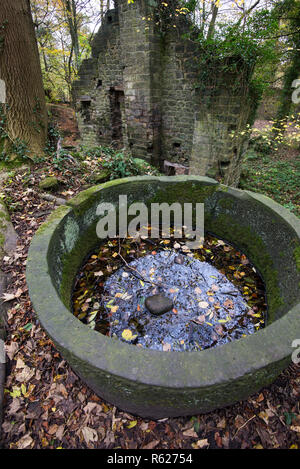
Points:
(297, 257)
(83, 201)
(227, 202)
(184, 193)
(73, 260)
(3, 226)
(101, 177)
(49, 183)
(9, 165)
(4, 215)
(223, 188)
(151, 383)
(56, 215)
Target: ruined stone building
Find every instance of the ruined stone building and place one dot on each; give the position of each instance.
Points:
(143, 90)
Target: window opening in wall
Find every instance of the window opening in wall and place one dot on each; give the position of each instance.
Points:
(116, 106)
(86, 110)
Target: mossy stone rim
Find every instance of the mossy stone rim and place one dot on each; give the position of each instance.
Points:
(152, 383)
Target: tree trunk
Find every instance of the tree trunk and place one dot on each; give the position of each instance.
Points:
(211, 28)
(71, 14)
(102, 10)
(20, 68)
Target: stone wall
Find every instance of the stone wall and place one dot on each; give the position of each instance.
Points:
(144, 91)
(139, 51)
(98, 77)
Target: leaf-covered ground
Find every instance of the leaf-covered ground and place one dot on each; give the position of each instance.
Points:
(47, 406)
(275, 175)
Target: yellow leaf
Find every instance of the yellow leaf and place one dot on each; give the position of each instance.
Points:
(29, 391)
(127, 334)
(16, 392)
(57, 377)
(132, 424)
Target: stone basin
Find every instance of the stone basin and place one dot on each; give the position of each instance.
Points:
(159, 384)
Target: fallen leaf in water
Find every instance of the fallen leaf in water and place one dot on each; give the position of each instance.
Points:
(219, 330)
(132, 424)
(260, 397)
(166, 347)
(244, 259)
(199, 319)
(92, 316)
(228, 303)
(98, 274)
(127, 334)
(295, 428)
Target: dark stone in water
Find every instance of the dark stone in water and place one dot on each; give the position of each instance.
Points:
(193, 323)
(179, 259)
(158, 304)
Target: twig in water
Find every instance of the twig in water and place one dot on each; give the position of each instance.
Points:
(141, 277)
